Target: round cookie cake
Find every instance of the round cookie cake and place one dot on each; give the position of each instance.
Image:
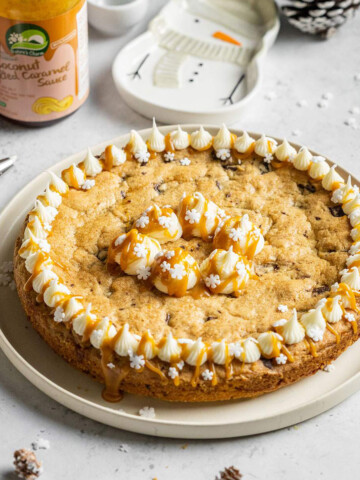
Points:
(192, 267)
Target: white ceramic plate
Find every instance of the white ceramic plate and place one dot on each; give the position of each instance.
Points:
(47, 371)
(177, 72)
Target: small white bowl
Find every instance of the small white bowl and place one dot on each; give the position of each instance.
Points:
(115, 17)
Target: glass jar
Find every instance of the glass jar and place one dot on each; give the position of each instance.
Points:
(44, 73)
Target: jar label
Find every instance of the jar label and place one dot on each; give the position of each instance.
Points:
(44, 66)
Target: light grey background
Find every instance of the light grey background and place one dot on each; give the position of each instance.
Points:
(297, 68)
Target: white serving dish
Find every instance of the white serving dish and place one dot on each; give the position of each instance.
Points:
(77, 391)
(115, 17)
(173, 71)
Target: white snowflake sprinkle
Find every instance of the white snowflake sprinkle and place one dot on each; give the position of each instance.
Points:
(5, 279)
(136, 361)
(207, 375)
(169, 156)
(143, 273)
(173, 373)
(354, 110)
(282, 308)
(7, 267)
(165, 266)
(169, 254)
(315, 334)
(180, 365)
(140, 250)
(235, 349)
(281, 359)
(240, 269)
(142, 157)
(212, 281)
(235, 234)
(185, 162)
(142, 221)
(40, 444)
(110, 365)
(59, 315)
(192, 216)
(147, 412)
(269, 157)
(350, 317)
(223, 154)
(323, 104)
(302, 103)
(178, 271)
(165, 222)
(88, 184)
(47, 226)
(329, 368)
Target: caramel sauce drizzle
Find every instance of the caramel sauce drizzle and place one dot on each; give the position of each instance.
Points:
(127, 250)
(223, 240)
(244, 155)
(345, 290)
(107, 159)
(213, 268)
(70, 172)
(288, 354)
(188, 203)
(154, 226)
(196, 374)
(169, 146)
(334, 332)
(311, 346)
(176, 287)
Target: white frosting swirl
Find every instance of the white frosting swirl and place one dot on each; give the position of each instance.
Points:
(82, 320)
(52, 198)
(160, 223)
(92, 165)
(219, 352)
(270, 344)
(180, 139)
(352, 205)
(251, 350)
(35, 230)
(34, 259)
(134, 251)
(170, 350)
(355, 248)
(104, 329)
(240, 234)
(58, 184)
(223, 139)
(285, 152)
(46, 214)
(149, 348)
(201, 139)
(352, 277)
(126, 343)
(174, 272)
(74, 176)
(292, 331)
(345, 193)
(72, 307)
(156, 141)
(198, 216)
(225, 271)
(244, 143)
(319, 168)
(331, 179)
(332, 310)
(302, 160)
(136, 143)
(117, 155)
(354, 217)
(314, 323)
(195, 353)
(42, 279)
(265, 145)
(55, 293)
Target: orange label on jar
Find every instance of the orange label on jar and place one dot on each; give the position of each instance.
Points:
(44, 66)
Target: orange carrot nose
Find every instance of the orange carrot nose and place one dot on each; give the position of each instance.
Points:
(226, 38)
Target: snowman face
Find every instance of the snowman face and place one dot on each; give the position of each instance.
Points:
(201, 54)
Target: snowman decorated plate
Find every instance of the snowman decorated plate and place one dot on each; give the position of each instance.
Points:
(199, 60)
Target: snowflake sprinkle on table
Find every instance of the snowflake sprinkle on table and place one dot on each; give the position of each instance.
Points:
(147, 412)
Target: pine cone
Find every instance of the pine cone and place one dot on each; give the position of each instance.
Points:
(320, 17)
(230, 473)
